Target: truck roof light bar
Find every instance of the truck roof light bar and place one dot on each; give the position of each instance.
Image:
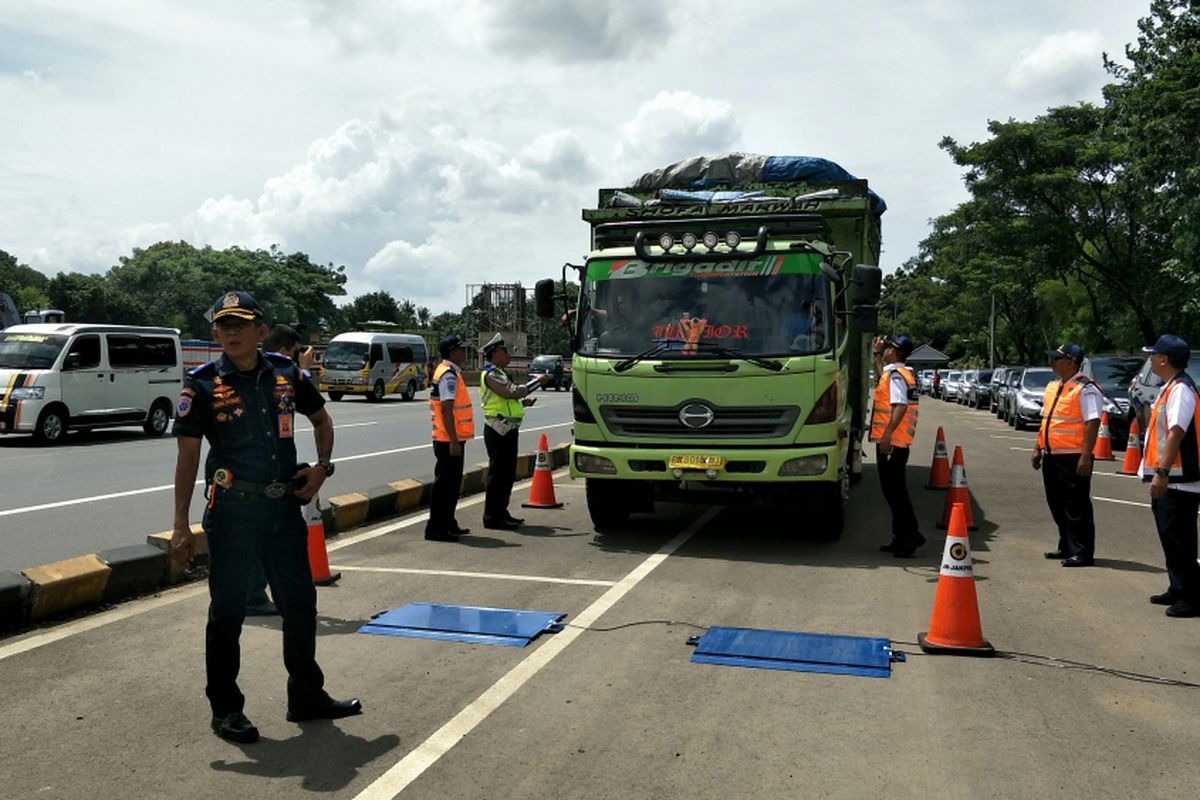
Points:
(639, 247)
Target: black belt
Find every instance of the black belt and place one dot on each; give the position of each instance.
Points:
(273, 490)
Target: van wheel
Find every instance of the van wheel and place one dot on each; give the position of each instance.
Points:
(377, 392)
(410, 391)
(336, 396)
(159, 418)
(51, 426)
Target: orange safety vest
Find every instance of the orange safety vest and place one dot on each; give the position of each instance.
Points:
(1061, 431)
(464, 418)
(881, 410)
(1186, 468)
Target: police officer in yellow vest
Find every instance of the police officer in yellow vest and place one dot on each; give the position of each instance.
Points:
(1070, 421)
(1171, 465)
(503, 405)
(893, 426)
(453, 426)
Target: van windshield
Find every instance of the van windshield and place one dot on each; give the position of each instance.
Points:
(346, 355)
(774, 305)
(29, 350)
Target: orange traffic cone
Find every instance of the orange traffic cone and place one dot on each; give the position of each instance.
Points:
(1103, 449)
(954, 627)
(318, 559)
(939, 472)
(541, 493)
(958, 492)
(1133, 451)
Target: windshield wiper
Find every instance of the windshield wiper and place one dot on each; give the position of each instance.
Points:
(658, 347)
(729, 352)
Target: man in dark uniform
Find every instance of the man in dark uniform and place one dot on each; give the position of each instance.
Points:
(245, 404)
(503, 403)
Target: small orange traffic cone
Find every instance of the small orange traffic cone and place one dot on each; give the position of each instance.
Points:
(954, 627)
(939, 472)
(1133, 451)
(1103, 449)
(958, 492)
(541, 493)
(318, 559)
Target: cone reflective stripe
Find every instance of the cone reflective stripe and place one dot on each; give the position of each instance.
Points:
(954, 626)
(318, 558)
(1133, 452)
(958, 492)
(1103, 450)
(939, 472)
(541, 493)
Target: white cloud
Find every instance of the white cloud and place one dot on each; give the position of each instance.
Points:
(574, 31)
(673, 126)
(1060, 65)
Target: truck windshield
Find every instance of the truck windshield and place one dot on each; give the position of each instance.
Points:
(775, 305)
(346, 355)
(29, 350)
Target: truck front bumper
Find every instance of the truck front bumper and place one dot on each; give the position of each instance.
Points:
(819, 462)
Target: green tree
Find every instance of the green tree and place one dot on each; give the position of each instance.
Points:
(373, 307)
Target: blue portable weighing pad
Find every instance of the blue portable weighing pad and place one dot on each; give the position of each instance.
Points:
(503, 626)
(799, 652)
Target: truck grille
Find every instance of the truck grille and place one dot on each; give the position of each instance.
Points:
(728, 423)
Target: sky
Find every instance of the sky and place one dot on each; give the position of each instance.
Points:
(428, 145)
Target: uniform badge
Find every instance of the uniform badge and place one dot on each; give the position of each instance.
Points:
(223, 478)
(185, 403)
(222, 417)
(230, 301)
(285, 426)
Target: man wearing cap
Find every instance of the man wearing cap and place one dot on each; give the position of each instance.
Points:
(1070, 421)
(1171, 465)
(893, 426)
(245, 404)
(453, 426)
(503, 410)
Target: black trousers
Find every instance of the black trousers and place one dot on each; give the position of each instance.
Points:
(1069, 496)
(502, 472)
(893, 481)
(447, 486)
(1175, 518)
(245, 531)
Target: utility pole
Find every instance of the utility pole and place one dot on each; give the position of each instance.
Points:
(992, 334)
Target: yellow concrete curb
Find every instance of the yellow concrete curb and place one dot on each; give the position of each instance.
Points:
(64, 585)
(349, 510)
(410, 493)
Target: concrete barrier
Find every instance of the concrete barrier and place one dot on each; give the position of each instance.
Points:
(14, 598)
(525, 462)
(349, 510)
(67, 584)
(472, 482)
(175, 571)
(408, 494)
(382, 502)
(136, 569)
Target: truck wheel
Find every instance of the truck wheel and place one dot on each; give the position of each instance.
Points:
(830, 507)
(377, 392)
(158, 419)
(51, 426)
(605, 505)
(336, 396)
(410, 391)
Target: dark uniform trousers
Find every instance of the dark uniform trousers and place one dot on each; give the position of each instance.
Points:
(893, 481)
(1068, 494)
(447, 486)
(502, 472)
(1175, 518)
(243, 530)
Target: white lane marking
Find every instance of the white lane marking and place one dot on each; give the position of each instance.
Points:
(450, 573)
(1014, 438)
(1115, 475)
(136, 607)
(1022, 449)
(164, 487)
(1122, 502)
(426, 754)
(341, 425)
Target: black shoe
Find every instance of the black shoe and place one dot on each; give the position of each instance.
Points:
(1182, 608)
(460, 531)
(517, 521)
(1078, 561)
(444, 536)
(889, 547)
(1165, 599)
(502, 525)
(327, 708)
(1055, 554)
(908, 548)
(235, 728)
(264, 609)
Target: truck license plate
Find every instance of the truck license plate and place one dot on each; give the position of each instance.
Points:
(696, 462)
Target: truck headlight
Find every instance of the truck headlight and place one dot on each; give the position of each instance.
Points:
(28, 393)
(804, 465)
(361, 381)
(599, 465)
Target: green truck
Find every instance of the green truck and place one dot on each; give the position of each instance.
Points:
(721, 338)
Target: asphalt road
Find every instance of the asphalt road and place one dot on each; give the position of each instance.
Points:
(109, 488)
(1087, 699)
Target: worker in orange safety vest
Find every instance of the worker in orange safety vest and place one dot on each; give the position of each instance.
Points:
(893, 426)
(453, 424)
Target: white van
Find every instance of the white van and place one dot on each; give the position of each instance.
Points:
(374, 364)
(56, 377)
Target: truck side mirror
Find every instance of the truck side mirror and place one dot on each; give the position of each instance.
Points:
(867, 285)
(864, 319)
(543, 298)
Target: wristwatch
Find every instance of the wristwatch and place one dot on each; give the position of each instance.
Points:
(327, 466)
(1162, 472)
